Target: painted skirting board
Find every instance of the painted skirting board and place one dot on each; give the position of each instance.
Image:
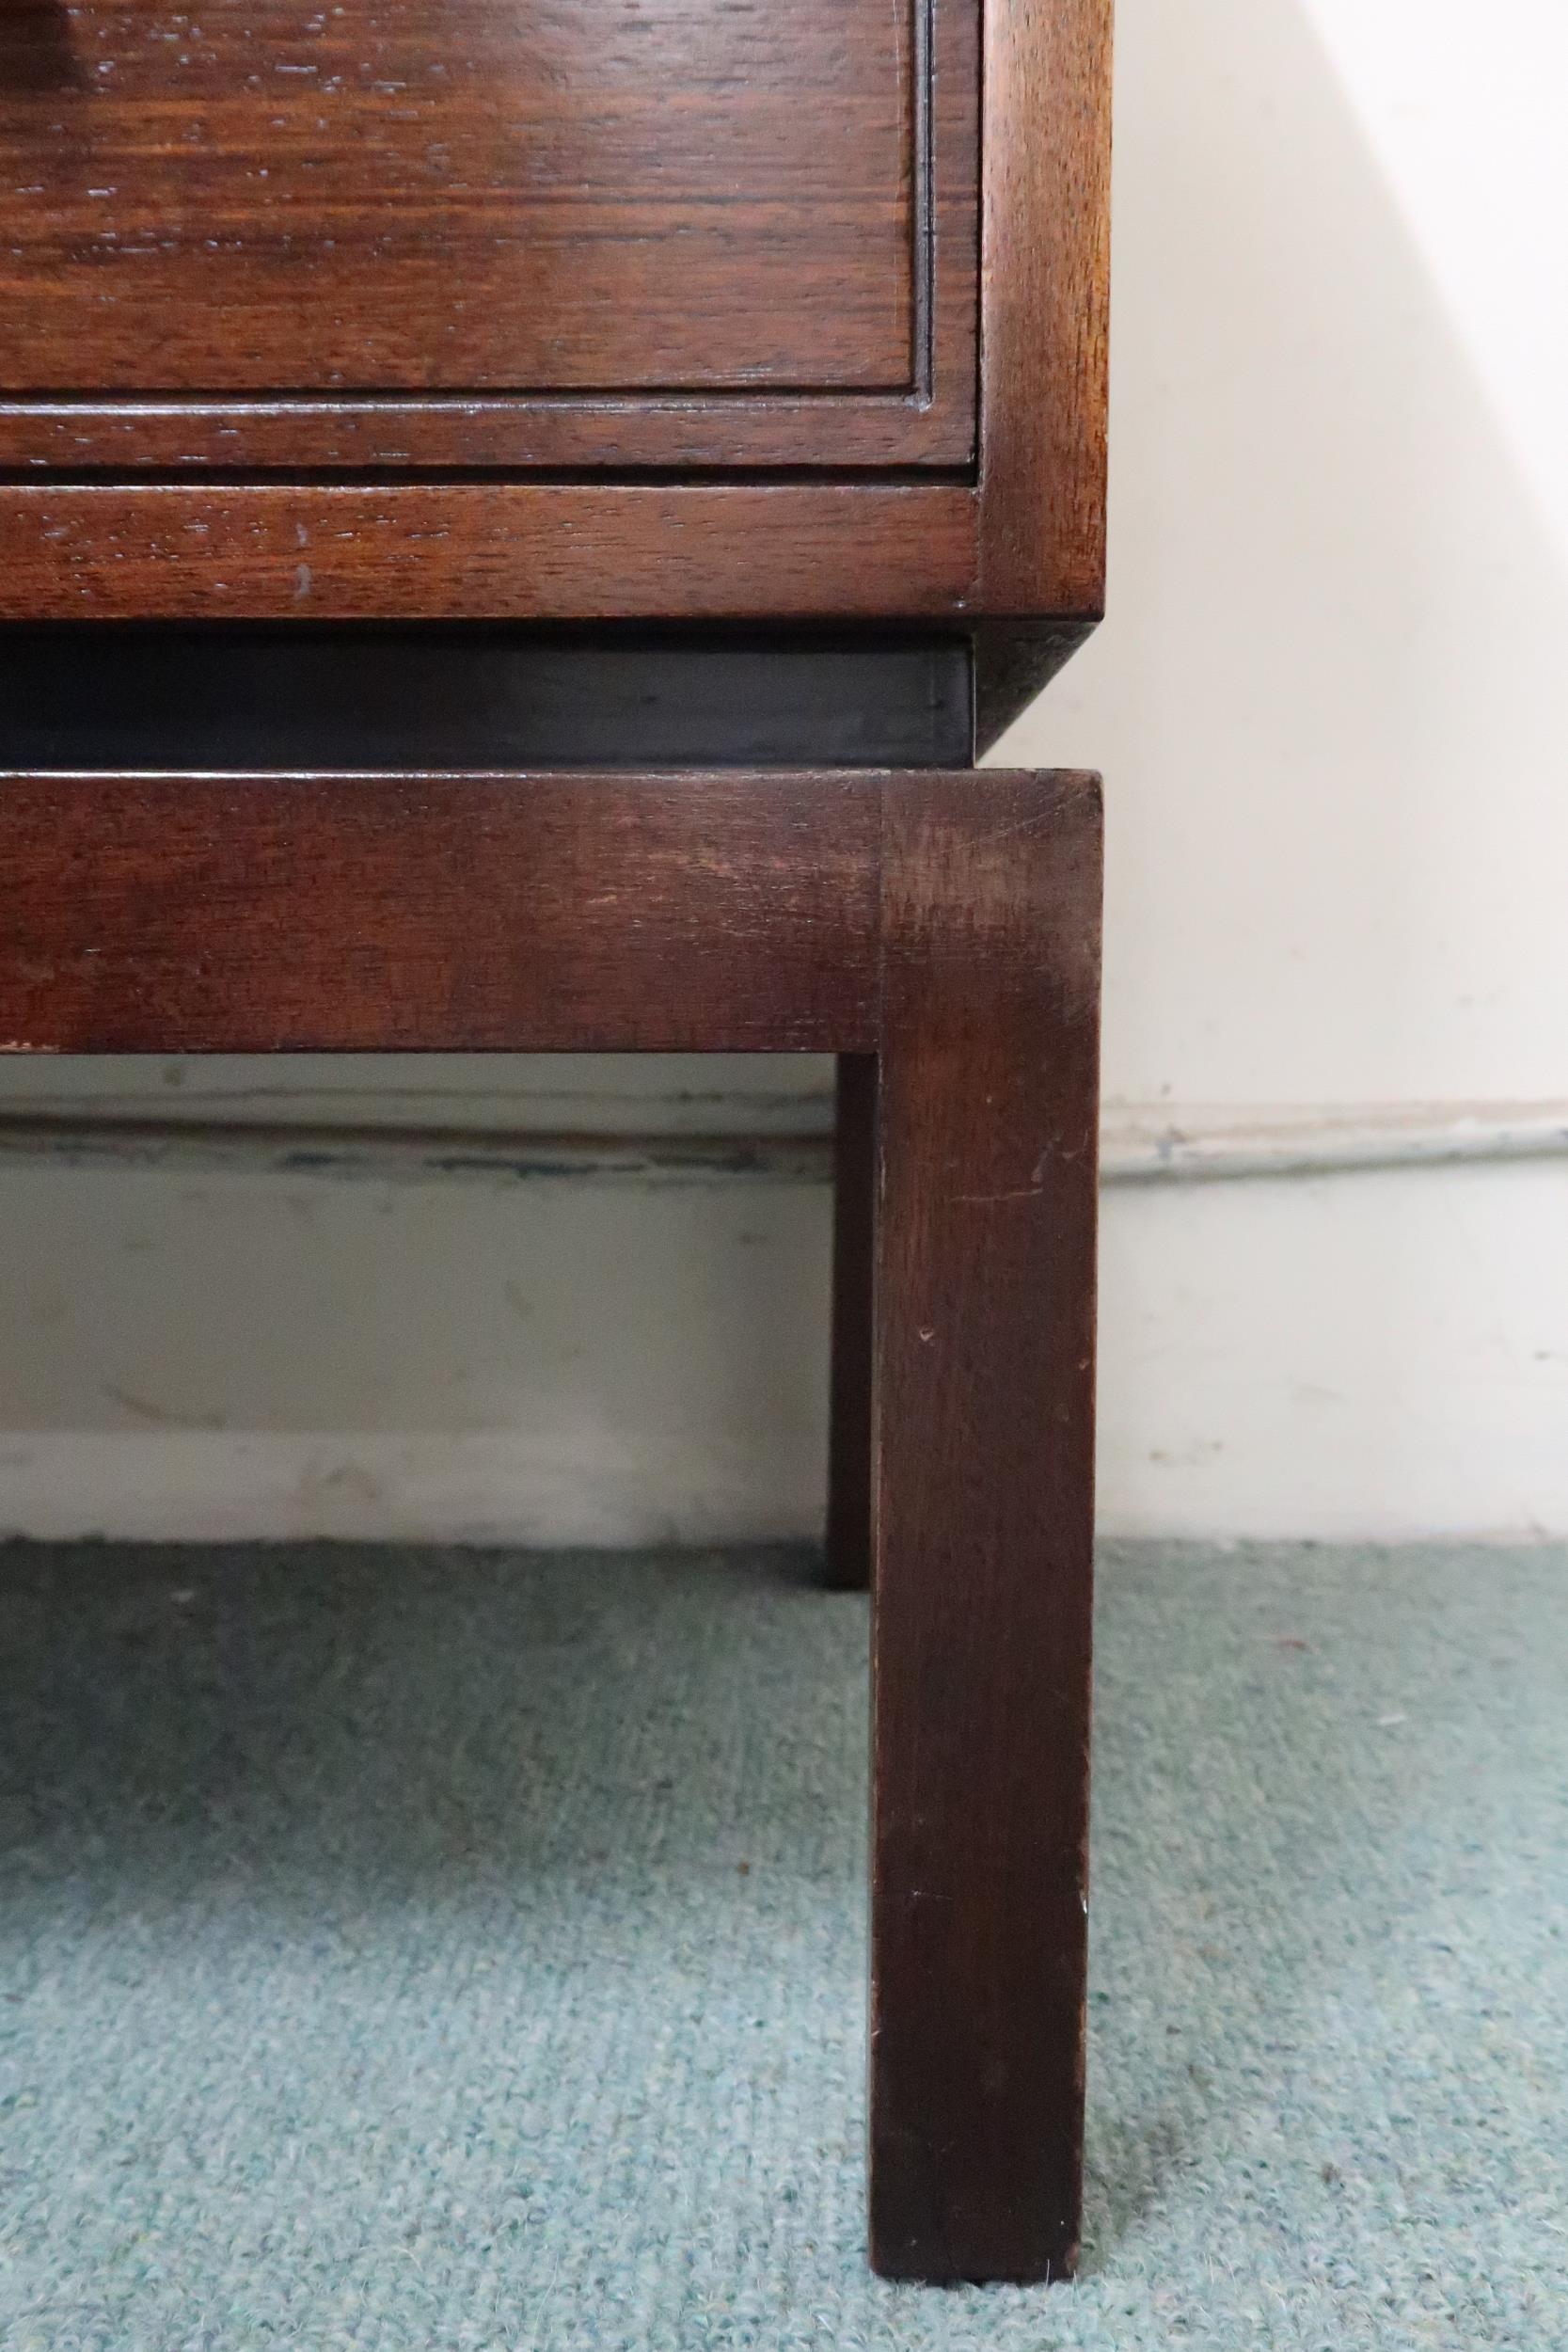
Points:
(203, 1347)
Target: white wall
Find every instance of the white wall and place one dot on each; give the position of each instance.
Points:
(1332, 706)
(1330, 701)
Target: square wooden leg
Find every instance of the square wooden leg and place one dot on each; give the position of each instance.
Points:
(849, 1551)
(983, 1468)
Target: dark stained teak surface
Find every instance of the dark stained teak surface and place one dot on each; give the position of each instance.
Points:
(450, 195)
(579, 232)
(984, 1318)
(559, 310)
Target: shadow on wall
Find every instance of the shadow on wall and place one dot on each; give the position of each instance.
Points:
(1330, 701)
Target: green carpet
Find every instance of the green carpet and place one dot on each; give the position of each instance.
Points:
(420, 1949)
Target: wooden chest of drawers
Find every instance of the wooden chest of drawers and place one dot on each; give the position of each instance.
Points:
(514, 517)
(316, 310)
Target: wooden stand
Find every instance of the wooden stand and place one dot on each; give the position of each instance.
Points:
(937, 929)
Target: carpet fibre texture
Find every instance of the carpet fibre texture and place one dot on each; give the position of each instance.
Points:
(416, 1950)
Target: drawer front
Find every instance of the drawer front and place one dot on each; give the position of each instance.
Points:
(333, 233)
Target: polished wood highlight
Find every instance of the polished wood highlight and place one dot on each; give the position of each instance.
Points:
(486, 231)
(454, 194)
(1045, 331)
(984, 1471)
(1045, 300)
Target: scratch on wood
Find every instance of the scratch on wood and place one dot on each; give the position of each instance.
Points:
(989, 1200)
(1032, 823)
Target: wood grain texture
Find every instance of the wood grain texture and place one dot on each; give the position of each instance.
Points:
(587, 434)
(983, 1489)
(1044, 300)
(425, 194)
(680, 198)
(452, 235)
(465, 914)
(516, 550)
